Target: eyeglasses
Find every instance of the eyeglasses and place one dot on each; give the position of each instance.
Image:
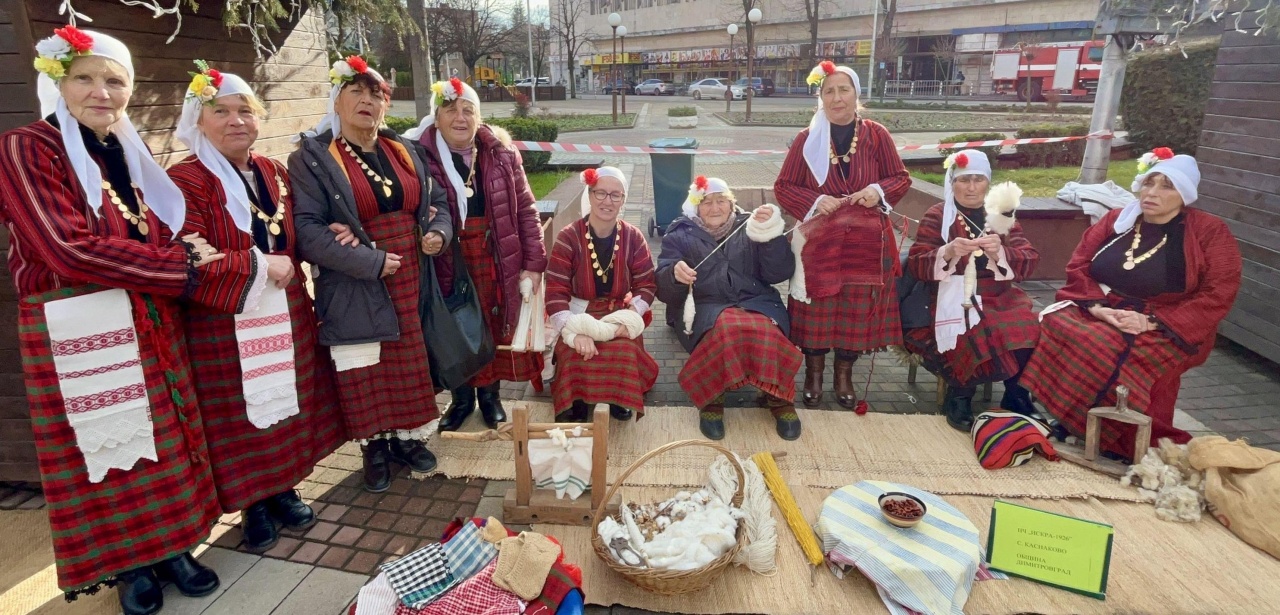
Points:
(601, 195)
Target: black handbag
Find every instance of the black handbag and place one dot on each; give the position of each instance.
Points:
(459, 343)
(915, 300)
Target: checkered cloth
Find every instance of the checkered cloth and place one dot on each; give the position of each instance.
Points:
(466, 553)
(421, 576)
(475, 596)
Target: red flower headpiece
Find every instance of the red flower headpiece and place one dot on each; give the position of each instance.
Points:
(700, 182)
(1163, 153)
(828, 67)
(457, 85)
(358, 64)
(1153, 157)
(216, 77)
(824, 69)
(962, 160)
(78, 40)
(590, 177)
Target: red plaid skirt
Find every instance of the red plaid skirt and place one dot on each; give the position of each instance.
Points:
(1074, 361)
(506, 365)
(620, 374)
(132, 518)
(249, 463)
(397, 393)
(859, 319)
(741, 348)
(985, 352)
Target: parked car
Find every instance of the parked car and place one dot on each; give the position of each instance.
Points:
(654, 87)
(759, 87)
(715, 87)
(524, 83)
(624, 87)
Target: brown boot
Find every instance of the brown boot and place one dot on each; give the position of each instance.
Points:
(814, 365)
(846, 395)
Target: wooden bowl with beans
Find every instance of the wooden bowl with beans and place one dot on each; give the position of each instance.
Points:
(902, 509)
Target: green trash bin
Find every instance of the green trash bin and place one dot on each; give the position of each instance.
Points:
(672, 174)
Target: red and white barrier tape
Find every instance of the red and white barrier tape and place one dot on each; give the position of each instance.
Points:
(577, 148)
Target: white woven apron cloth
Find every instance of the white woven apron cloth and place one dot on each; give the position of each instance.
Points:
(561, 462)
(104, 392)
(265, 338)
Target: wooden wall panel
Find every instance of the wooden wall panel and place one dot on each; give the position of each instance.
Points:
(293, 84)
(1239, 159)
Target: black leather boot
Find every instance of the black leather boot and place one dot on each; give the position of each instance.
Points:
(259, 528)
(413, 454)
(846, 394)
(291, 511)
(620, 413)
(463, 404)
(377, 472)
(139, 591)
(192, 579)
(958, 406)
(579, 412)
(814, 365)
(491, 405)
(1017, 399)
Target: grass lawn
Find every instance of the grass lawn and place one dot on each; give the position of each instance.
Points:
(1047, 182)
(919, 122)
(572, 122)
(542, 182)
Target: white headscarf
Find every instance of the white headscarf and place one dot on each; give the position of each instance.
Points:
(330, 121)
(817, 145)
(418, 133)
(1182, 170)
(975, 163)
(696, 194)
(188, 132)
(162, 195)
(613, 172)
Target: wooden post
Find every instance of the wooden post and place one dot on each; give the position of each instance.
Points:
(1093, 435)
(524, 473)
(599, 456)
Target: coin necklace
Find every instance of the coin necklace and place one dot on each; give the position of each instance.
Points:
(364, 166)
(853, 148)
(603, 272)
(1129, 260)
(273, 222)
(138, 219)
(471, 177)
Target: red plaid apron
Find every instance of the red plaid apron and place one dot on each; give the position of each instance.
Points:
(131, 519)
(620, 374)
(478, 255)
(742, 348)
(985, 352)
(1073, 364)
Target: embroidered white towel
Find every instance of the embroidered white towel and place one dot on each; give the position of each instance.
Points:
(561, 462)
(355, 356)
(949, 317)
(95, 352)
(265, 338)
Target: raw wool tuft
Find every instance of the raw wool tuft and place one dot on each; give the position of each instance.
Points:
(1001, 204)
(759, 554)
(797, 288)
(690, 310)
(686, 532)
(1165, 478)
(761, 232)
(602, 330)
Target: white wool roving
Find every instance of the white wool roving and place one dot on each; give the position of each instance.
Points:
(685, 532)
(770, 229)
(690, 310)
(1001, 204)
(797, 289)
(602, 330)
(1165, 478)
(760, 553)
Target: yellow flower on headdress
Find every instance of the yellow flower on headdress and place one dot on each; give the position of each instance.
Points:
(198, 83)
(437, 88)
(950, 160)
(695, 198)
(49, 66)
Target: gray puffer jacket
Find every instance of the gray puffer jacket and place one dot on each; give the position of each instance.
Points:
(352, 302)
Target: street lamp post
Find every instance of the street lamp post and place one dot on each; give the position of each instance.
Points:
(614, 21)
(622, 36)
(753, 16)
(733, 62)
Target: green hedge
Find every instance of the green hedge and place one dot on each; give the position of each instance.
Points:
(992, 152)
(1165, 95)
(682, 112)
(1061, 154)
(528, 129)
(400, 124)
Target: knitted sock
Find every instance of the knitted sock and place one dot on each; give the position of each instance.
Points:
(782, 409)
(714, 411)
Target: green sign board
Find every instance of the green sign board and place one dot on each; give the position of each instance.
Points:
(1065, 552)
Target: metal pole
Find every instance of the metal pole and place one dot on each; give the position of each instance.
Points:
(871, 62)
(613, 75)
(533, 85)
(624, 76)
(733, 65)
(1097, 152)
(751, 66)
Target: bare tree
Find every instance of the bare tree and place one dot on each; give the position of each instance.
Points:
(811, 10)
(519, 36)
(944, 51)
(888, 51)
(353, 19)
(420, 59)
(470, 28)
(1030, 41)
(564, 26)
(1178, 15)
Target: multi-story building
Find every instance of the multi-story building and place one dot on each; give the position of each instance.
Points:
(686, 40)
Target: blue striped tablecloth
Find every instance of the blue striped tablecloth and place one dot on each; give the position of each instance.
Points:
(926, 569)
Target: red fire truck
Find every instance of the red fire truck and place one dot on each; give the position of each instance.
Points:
(1070, 69)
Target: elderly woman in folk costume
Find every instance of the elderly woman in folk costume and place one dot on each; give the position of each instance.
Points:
(729, 261)
(841, 177)
(499, 233)
(599, 289)
(99, 270)
(269, 405)
(357, 173)
(1146, 289)
(994, 339)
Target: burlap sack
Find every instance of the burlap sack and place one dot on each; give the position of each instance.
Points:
(1242, 486)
